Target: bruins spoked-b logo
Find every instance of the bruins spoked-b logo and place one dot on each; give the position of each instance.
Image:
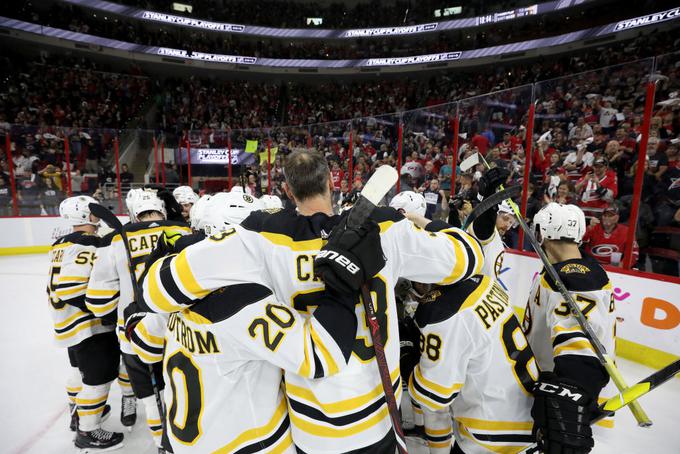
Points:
(498, 265)
(248, 198)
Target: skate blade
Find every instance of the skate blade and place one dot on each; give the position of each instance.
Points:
(95, 450)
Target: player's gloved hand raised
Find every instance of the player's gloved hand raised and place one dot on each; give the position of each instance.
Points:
(351, 256)
(491, 181)
(172, 208)
(562, 412)
(133, 315)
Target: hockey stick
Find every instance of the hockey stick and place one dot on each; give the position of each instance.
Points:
(604, 358)
(375, 189)
(112, 221)
(629, 395)
(491, 201)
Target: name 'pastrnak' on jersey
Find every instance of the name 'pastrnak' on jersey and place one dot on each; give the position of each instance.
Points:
(474, 358)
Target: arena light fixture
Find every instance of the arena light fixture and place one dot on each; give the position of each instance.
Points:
(182, 8)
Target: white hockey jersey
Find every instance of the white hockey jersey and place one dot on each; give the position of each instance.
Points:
(553, 331)
(475, 358)
(110, 288)
(223, 364)
(71, 259)
(279, 253)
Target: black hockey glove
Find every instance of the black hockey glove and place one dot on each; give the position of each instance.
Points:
(351, 256)
(172, 208)
(133, 315)
(562, 412)
(491, 181)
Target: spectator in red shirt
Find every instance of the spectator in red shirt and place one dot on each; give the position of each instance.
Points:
(508, 146)
(481, 142)
(606, 239)
(337, 175)
(597, 189)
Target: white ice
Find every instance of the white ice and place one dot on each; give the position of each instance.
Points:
(33, 411)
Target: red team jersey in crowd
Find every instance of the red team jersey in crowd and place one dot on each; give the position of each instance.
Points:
(337, 176)
(601, 245)
(589, 197)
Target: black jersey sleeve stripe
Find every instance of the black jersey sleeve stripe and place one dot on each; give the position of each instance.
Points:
(562, 338)
(435, 397)
(138, 341)
(504, 438)
(75, 323)
(78, 301)
(469, 252)
(262, 445)
(168, 282)
(318, 366)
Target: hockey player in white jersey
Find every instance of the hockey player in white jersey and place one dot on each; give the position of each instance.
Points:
(564, 354)
(347, 411)
(474, 357)
(92, 345)
(233, 345)
(210, 216)
(476, 360)
(110, 290)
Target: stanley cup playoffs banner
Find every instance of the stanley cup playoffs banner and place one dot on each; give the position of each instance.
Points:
(215, 156)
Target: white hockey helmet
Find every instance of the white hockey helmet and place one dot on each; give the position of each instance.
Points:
(409, 202)
(198, 213)
(143, 200)
(270, 202)
(560, 222)
(76, 210)
(184, 194)
(226, 208)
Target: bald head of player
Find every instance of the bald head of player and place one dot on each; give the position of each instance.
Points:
(308, 182)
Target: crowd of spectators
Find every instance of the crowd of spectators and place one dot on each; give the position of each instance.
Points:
(586, 134)
(77, 19)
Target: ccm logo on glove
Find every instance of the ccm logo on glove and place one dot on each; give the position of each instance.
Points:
(560, 391)
(339, 259)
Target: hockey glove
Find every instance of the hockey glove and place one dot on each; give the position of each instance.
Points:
(351, 256)
(172, 208)
(491, 181)
(133, 315)
(562, 412)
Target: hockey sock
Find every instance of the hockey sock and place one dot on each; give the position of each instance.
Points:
(153, 419)
(74, 384)
(438, 431)
(124, 381)
(417, 414)
(91, 401)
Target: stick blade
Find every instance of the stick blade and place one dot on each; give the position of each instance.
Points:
(379, 184)
(469, 162)
(106, 215)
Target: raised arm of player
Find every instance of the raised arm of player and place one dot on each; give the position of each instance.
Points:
(75, 272)
(443, 257)
(175, 282)
(256, 326)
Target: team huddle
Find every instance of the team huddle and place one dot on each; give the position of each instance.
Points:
(241, 327)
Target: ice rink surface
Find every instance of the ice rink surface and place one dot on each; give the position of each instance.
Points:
(33, 413)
